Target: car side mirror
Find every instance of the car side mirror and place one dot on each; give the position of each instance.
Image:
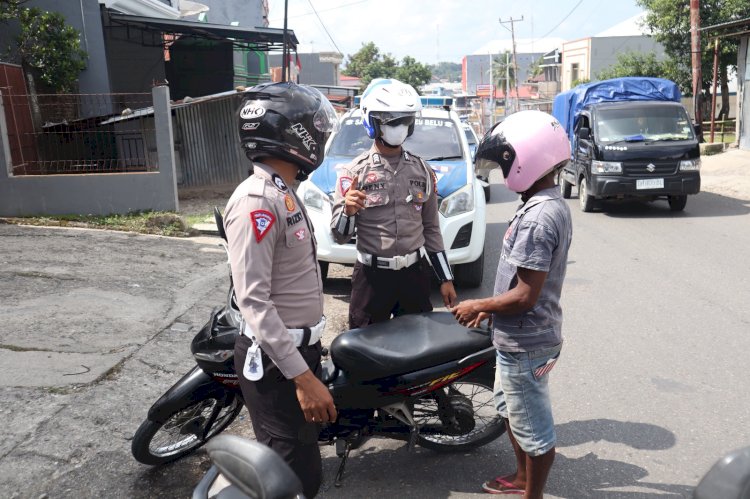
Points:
(584, 134)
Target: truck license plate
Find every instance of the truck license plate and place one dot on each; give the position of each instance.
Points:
(649, 183)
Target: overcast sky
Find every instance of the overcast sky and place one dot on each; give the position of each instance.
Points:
(441, 30)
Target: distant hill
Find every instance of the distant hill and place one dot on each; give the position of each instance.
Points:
(450, 71)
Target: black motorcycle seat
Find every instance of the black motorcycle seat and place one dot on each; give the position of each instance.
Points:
(405, 344)
(253, 468)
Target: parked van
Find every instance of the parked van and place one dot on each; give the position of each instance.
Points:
(630, 138)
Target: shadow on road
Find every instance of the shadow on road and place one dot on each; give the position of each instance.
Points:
(591, 476)
(704, 204)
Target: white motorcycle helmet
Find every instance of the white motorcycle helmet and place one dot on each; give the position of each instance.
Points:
(392, 104)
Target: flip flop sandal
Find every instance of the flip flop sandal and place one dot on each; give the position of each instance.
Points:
(501, 485)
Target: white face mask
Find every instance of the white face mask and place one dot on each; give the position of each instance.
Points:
(394, 135)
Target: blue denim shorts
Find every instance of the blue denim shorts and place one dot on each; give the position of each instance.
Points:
(522, 397)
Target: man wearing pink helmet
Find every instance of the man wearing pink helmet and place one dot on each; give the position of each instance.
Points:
(529, 147)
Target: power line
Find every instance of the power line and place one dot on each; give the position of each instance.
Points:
(324, 27)
(324, 10)
(563, 19)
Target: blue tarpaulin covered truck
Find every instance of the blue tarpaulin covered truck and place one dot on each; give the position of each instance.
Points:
(630, 138)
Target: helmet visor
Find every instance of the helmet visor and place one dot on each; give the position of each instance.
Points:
(494, 151)
(325, 118)
(394, 118)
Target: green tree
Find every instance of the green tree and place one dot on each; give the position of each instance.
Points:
(640, 64)
(503, 69)
(412, 72)
(669, 21)
(368, 63)
(46, 45)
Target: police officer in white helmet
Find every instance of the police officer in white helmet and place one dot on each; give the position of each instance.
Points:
(390, 196)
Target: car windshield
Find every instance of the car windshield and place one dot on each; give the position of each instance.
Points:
(643, 124)
(432, 138)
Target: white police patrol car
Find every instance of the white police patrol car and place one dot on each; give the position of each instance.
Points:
(440, 140)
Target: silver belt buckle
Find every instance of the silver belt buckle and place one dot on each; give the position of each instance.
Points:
(400, 261)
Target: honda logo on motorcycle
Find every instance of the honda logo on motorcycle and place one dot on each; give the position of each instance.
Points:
(651, 167)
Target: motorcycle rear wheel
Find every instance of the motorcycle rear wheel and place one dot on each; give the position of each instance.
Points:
(159, 443)
(477, 422)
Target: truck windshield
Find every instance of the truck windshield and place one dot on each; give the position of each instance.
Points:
(645, 123)
(432, 137)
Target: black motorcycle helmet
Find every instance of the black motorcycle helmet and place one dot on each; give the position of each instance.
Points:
(288, 121)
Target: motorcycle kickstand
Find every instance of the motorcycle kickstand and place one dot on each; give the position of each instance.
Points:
(344, 455)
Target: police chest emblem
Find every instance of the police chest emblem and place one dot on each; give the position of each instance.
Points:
(289, 202)
(279, 182)
(300, 234)
(262, 222)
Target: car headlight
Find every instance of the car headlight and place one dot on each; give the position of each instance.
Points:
(461, 201)
(690, 165)
(315, 199)
(606, 167)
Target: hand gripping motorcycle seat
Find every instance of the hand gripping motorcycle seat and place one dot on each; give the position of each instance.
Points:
(405, 344)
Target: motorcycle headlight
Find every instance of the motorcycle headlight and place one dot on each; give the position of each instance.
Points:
(606, 167)
(461, 201)
(315, 199)
(690, 165)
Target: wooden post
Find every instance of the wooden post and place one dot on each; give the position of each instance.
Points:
(695, 48)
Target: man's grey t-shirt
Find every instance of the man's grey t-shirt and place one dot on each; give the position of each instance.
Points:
(538, 238)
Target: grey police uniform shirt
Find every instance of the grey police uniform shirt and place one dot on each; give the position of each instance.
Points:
(272, 253)
(401, 210)
(538, 238)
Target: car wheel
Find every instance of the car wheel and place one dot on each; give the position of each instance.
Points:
(584, 198)
(677, 203)
(470, 274)
(565, 186)
(323, 270)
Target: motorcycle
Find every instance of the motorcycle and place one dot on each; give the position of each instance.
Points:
(422, 378)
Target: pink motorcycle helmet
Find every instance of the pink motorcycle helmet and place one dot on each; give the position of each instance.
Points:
(526, 146)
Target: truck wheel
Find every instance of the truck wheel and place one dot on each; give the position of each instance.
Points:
(586, 201)
(470, 274)
(565, 186)
(677, 203)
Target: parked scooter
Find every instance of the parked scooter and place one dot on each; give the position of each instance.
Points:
(421, 378)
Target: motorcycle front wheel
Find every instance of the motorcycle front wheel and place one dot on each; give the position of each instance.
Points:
(182, 433)
(462, 416)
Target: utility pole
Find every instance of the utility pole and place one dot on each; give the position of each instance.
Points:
(492, 89)
(512, 30)
(285, 50)
(695, 44)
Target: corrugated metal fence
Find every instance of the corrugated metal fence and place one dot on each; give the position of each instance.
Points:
(207, 143)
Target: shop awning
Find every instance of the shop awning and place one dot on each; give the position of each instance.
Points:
(260, 38)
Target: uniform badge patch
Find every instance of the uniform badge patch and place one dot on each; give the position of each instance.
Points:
(344, 184)
(289, 202)
(418, 207)
(262, 222)
(371, 177)
(300, 234)
(279, 182)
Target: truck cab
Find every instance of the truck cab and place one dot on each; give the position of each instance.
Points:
(640, 148)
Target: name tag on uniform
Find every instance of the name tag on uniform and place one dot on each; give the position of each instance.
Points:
(253, 369)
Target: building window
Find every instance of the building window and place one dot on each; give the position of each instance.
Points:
(574, 70)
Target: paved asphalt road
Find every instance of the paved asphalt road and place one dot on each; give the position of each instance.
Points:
(652, 388)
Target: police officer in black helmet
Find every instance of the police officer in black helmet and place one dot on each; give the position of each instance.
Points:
(283, 128)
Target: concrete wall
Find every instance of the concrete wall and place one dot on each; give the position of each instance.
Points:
(313, 71)
(604, 50)
(248, 13)
(575, 52)
(94, 194)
